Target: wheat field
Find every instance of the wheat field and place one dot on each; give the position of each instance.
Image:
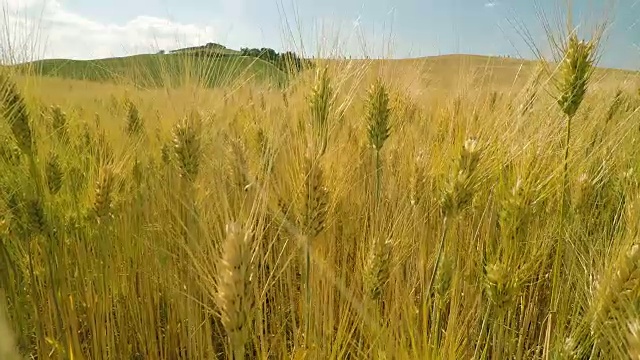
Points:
(353, 214)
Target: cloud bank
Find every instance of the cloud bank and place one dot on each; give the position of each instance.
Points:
(47, 29)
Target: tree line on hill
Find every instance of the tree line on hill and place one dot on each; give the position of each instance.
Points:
(287, 61)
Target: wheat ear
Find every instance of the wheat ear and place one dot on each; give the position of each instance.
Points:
(59, 122)
(14, 109)
(103, 201)
(458, 195)
(188, 146)
(135, 123)
(378, 116)
(315, 195)
(234, 298)
(54, 173)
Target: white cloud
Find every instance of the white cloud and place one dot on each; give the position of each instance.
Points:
(490, 4)
(65, 34)
(17, 4)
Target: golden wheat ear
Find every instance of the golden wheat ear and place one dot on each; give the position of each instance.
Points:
(315, 200)
(501, 288)
(60, 123)
(377, 270)
(135, 123)
(14, 109)
(53, 173)
(378, 115)
(188, 146)
(613, 290)
(321, 102)
(460, 188)
(234, 296)
(102, 203)
(575, 71)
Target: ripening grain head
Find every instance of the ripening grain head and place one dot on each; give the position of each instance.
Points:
(576, 69)
(235, 298)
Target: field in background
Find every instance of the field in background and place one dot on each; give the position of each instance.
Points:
(398, 209)
(447, 72)
(159, 70)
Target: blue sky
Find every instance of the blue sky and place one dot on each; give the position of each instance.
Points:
(84, 29)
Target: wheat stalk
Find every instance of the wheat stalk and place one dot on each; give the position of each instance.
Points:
(378, 126)
(457, 195)
(575, 72)
(633, 339)
(620, 284)
(532, 87)
(576, 69)
(8, 350)
(378, 117)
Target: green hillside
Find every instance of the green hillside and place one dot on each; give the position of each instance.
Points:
(159, 70)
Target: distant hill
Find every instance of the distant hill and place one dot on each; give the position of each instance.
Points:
(216, 65)
(159, 70)
(211, 64)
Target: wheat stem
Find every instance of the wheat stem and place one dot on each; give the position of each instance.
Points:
(445, 223)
